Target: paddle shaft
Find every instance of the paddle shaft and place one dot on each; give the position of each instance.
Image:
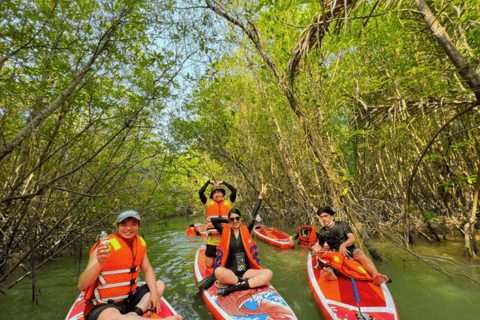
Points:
(357, 300)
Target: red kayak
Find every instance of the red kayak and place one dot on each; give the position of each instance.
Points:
(275, 237)
(76, 312)
(260, 303)
(337, 299)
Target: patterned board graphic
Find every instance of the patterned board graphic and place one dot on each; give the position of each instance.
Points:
(255, 304)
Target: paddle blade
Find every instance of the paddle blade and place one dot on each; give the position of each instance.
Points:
(206, 282)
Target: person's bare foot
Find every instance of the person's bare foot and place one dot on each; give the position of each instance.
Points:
(379, 279)
(328, 274)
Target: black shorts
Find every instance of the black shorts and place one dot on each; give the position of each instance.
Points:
(211, 251)
(239, 273)
(352, 250)
(125, 306)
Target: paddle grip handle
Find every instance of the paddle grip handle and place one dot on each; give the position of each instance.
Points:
(357, 298)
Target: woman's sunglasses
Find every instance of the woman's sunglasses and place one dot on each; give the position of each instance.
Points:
(235, 219)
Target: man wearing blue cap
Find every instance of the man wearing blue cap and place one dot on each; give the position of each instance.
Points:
(111, 277)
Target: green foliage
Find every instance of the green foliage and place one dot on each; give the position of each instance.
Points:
(458, 181)
(102, 148)
(430, 216)
(374, 93)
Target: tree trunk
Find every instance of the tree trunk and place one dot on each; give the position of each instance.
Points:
(470, 248)
(464, 69)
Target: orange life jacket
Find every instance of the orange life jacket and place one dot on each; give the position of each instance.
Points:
(249, 245)
(191, 232)
(200, 227)
(309, 240)
(217, 209)
(119, 275)
(347, 267)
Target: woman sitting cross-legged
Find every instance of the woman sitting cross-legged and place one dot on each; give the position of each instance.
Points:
(237, 264)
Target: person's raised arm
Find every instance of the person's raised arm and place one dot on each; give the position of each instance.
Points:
(201, 192)
(251, 225)
(263, 192)
(97, 259)
(233, 194)
(218, 223)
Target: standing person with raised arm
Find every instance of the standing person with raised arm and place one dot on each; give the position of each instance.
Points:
(217, 206)
(111, 276)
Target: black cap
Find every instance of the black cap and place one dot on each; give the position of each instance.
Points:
(215, 189)
(325, 209)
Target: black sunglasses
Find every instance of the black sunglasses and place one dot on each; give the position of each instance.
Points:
(235, 219)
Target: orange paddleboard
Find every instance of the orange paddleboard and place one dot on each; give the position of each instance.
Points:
(336, 299)
(275, 237)
(76, 311)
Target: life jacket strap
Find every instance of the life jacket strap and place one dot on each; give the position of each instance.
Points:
(130, 270)
(106, 273)
(99, 300)
(118, 284)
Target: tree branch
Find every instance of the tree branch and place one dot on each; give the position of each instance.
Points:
(26, 131)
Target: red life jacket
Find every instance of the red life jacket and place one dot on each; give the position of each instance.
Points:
(249, 245)
(119, 275)
(347, 267)
(309, 240)
(217, 209)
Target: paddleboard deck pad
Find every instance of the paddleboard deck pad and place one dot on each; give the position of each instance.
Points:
(262, 303)
(275, 237)
(76, 311)
(336, 299)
